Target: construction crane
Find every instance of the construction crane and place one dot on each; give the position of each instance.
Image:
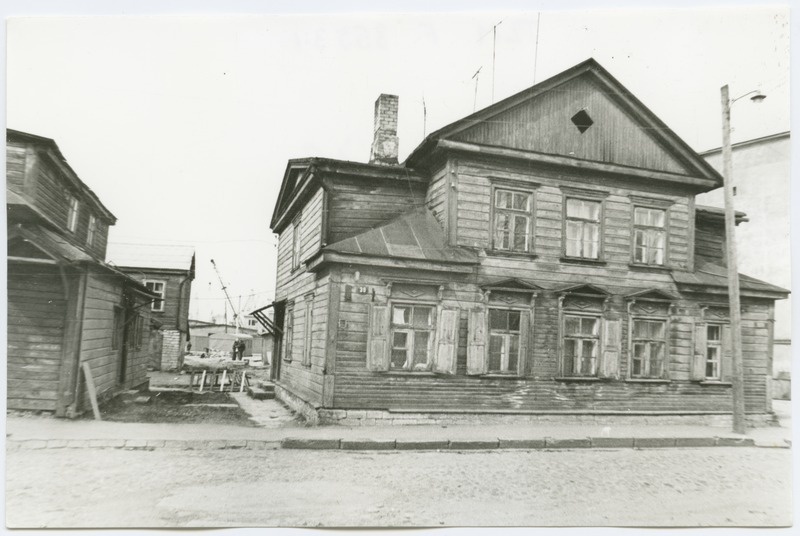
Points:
(225, 290)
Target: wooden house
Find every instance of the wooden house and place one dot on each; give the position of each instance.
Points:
(541, 258)
(67, 308)
(168, 272)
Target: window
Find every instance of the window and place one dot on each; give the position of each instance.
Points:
(158, 287)
(72, 214)
(648, 342)
(411, 337)
(504, 340)
(288, 332)
(251, 322)
(649, 235)
(512, 220)
(90, 232)
(295, 244)
(581, 342)
(713, 352)
(307, 331)
(582, 120)
(582, 229)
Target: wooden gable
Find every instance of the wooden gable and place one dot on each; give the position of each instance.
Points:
(578, 119)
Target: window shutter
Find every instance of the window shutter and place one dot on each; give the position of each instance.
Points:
(476, 342)
(446, 342)
(727, 354)
(378, 338)
(698, 369)
(609, 368)
(524, 337)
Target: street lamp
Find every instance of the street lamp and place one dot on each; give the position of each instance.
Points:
(733, 272)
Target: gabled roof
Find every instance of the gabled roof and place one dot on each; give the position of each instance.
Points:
(54, 153)
(653, 128)
(303, 175)
(715, 276)
(155, 256)
(53, 246)
(413, 235)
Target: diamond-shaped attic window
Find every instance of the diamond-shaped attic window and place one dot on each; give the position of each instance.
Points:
(582, 121)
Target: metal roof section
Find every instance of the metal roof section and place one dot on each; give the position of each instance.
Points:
(413, 235)
(717, 214)
(707, 274)
(155, 256)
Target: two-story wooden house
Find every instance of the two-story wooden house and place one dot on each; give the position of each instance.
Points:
(66, 307)
(167, 271)
(543, 256)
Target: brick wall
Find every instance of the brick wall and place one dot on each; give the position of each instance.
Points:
(172, 349)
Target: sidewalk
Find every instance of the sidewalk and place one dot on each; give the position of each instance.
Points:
(39, 433)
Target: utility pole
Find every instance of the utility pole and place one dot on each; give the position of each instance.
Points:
(733, 271)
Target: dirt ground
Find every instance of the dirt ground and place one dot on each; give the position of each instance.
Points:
(177, 406)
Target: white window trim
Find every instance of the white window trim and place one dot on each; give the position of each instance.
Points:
(663, 229)
(529, 214)
(91, 230)
(719, 344)
(488, 332)
(598, 338)
(163, 295)
(72, 213)
(665, 341)
(410, 331)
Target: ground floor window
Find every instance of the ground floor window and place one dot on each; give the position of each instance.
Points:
(504, 340)
(713, 351)
(648, 347)
(412, 337)
(581, 345)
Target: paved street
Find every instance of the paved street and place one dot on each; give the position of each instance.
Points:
(169, 488)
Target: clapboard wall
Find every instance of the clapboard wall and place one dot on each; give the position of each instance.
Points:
(36, 318)
(538, 388)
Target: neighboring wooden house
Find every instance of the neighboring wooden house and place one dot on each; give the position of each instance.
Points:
(536, 258)
(761, 176)
(66, 307)
(168, 271)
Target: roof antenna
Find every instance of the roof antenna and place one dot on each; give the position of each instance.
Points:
(476, 77)
(536, 47)
(494, 47)
(424, 117)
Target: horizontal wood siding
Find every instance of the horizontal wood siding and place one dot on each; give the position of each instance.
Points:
(175, 305)
(15, 167)
(475, 180)
(357, 205)
(303, 380)
(709, 242)
(103, 293)
(436, 196)
(537, 389)
(36, 309)
(310, 240)
(544, 125)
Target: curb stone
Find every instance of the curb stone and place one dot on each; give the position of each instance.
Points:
(410, 444)
(550, 442)
(296, 443)
(612, 442)
(474, 445)
(367, 444)
(521, 443)
(654, 442)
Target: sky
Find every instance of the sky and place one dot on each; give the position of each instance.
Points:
(183, 124)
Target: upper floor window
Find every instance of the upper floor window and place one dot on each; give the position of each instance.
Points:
(296, 243)
(649, 235)
(91, 230)
(582, 229)
(157, 287)
(72, 214)
(512, 220)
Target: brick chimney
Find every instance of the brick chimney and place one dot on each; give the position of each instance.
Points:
(385, 144)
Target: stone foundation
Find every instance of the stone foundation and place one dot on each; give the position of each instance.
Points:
(298, 405)
(360, 417)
